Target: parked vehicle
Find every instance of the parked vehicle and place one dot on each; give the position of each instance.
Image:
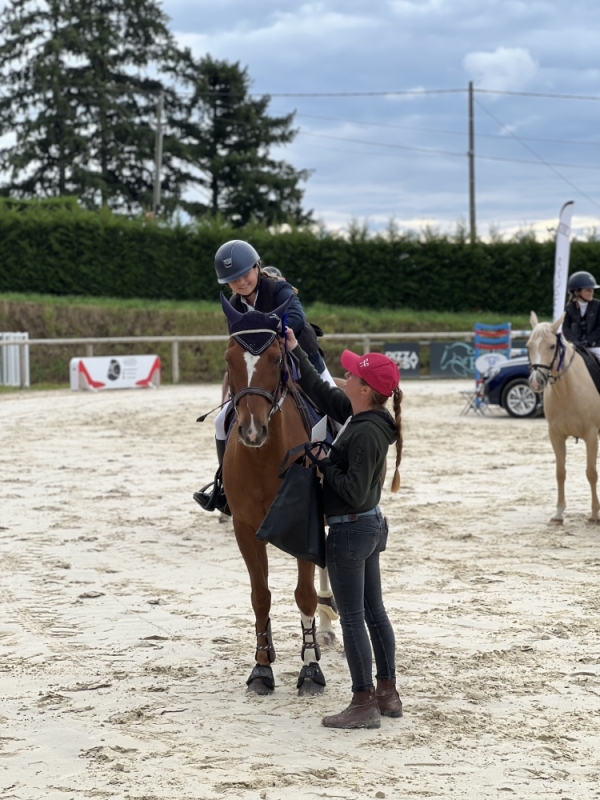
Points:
(507, 386)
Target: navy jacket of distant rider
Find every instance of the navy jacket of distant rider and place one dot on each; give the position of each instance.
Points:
(272, 293)
(584, 329)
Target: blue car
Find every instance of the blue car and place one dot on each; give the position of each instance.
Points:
(507, 386)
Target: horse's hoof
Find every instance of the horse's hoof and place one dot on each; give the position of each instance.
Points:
(309, 688)
(556, 521)
(261, 680)
(311, 680)
(326, 638)
(593, 521)
(256, 686)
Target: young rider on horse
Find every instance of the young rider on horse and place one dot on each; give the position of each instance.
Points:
(582, 314)
(238, 265)
(358, 530)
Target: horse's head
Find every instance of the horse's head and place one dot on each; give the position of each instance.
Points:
(255, 362)
(543, 350)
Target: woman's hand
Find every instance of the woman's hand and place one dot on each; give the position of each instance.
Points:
(292, 342)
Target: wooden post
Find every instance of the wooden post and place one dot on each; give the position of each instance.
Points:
(175, 361)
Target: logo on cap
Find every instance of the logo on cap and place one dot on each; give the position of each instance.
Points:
(228, 262)
(364, 362)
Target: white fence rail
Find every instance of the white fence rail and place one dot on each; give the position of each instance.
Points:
(14, 359)
(368, 340)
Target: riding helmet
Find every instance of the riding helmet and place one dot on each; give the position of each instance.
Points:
(582, 280)
(234, 259)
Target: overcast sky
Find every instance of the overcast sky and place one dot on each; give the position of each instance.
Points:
(398, 45)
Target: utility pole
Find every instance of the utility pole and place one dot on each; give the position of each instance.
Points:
(471, 154)
(158, 153)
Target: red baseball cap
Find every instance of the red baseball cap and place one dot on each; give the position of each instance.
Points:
(379, 371)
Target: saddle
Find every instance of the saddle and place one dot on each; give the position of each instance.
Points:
(591, 363)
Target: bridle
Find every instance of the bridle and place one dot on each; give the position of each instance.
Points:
(281, 388)
(559, 352)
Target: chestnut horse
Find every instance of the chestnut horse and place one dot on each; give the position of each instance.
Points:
(571, 403)
(267, 424)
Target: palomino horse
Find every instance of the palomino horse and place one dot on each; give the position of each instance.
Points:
(571, 403)
(267, 424)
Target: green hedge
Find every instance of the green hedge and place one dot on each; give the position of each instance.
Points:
(58, 248)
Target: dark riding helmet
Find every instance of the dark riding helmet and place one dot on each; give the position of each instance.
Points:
(234, 259)
(273, 272)
(582, 280)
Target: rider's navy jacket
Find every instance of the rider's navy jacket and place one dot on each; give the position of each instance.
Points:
(584, 329)
(272, 293)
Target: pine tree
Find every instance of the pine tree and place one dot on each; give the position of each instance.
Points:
(227, 136)
(80, 101)
(37, 105)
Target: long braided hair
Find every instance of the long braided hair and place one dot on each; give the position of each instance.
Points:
(380, 400)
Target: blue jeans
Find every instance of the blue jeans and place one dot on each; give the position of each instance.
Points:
(353, 550)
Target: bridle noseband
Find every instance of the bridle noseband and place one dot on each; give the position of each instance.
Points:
(559, 352)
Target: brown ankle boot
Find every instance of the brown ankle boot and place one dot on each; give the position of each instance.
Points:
(361, 713)
(388, 698)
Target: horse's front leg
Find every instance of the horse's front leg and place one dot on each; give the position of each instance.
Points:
(310, 680)
(591, 443)
(559, 445)
(261, 680)
(327, 608)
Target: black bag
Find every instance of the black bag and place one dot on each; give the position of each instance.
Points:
(295, 521)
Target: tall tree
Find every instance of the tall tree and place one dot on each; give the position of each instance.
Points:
(78, 97)
(38, 110)
(227, 135)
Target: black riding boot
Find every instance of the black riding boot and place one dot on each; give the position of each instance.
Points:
(215, 498)
(221, 444)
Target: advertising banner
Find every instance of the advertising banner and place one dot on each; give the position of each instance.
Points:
(115, 372)
(451, 360)
(407, 356)
(561, 259)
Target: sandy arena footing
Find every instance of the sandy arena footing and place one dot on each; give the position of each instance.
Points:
(126, 632)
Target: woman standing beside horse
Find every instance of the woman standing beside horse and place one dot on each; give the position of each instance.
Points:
(357, 529)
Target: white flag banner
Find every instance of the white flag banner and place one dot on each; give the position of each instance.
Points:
(561, 259)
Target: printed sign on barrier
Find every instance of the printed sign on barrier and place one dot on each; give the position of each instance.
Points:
(406, 355)
(451, 360)
(115, 372)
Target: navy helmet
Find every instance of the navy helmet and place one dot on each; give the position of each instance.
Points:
(234, 259)
(582, 280)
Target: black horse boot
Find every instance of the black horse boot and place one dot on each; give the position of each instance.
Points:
(361, 713)
(388, 698)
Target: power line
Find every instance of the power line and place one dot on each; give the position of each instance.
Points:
(542, 160)
(540, 94)
(441, 130)
(432, 151)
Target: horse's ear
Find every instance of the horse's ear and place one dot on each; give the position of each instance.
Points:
(280, 311)
(230, 312)
(555, 327)
(533, 320)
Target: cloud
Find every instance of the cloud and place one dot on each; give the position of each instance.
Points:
(507, 68)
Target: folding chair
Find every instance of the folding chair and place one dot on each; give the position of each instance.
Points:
(489, 339)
